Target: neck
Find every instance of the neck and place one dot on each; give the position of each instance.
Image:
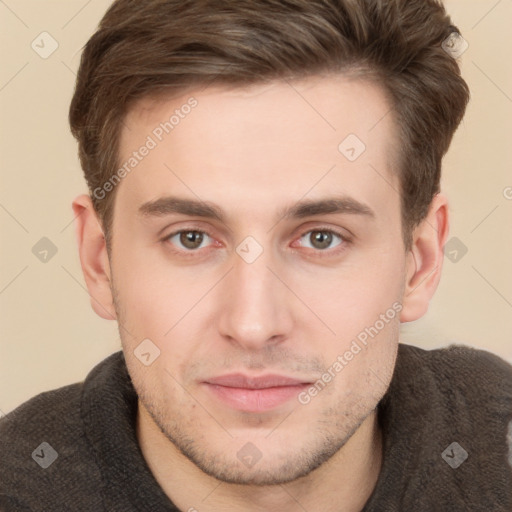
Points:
(348, 478)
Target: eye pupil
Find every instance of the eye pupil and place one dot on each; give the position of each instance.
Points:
(321, 239)
(191, 239)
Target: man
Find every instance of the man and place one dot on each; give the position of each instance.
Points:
(264, 212)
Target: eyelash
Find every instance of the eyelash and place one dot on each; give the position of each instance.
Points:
(321, 253)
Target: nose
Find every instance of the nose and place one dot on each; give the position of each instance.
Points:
(256, 309)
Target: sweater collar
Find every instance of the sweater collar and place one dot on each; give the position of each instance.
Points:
(417, 416)
(109, 411)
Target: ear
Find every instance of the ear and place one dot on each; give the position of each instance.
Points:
(425, 260)
(94, 257)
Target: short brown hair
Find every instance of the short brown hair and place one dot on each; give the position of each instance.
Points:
(146, 47)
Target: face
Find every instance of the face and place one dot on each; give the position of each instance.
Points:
(265, 264)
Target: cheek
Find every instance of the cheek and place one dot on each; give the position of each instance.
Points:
(153, 296)
(355, 297)
(160, 303)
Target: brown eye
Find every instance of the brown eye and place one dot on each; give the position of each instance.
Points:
(191, 239)
(320, 239)
(188, 239)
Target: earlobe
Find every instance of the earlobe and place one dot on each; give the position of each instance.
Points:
(94, 257)
(425, 260)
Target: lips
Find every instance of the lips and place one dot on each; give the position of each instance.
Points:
(238, 380)
(254, 394)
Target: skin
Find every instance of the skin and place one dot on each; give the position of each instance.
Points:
(254, 152)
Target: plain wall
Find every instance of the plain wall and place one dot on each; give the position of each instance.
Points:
(49, 334)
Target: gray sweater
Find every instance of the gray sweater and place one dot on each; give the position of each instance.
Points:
(445, 420)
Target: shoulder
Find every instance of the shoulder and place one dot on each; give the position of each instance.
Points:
(447, 420)
(53, 413)
(462, 368)
(466, 391)
(44, 450)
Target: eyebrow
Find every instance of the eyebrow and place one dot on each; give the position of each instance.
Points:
(307, 208)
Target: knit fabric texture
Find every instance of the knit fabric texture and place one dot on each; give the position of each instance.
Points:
(446, 422)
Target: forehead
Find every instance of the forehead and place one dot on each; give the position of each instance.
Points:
(322, 108)
(279, 136)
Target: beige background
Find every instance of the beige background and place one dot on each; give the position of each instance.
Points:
(49, 334)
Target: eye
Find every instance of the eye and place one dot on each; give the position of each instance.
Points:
(321, 239)
(189, 240)
(192, 240)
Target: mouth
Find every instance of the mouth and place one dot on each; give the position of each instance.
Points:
(254, 394)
